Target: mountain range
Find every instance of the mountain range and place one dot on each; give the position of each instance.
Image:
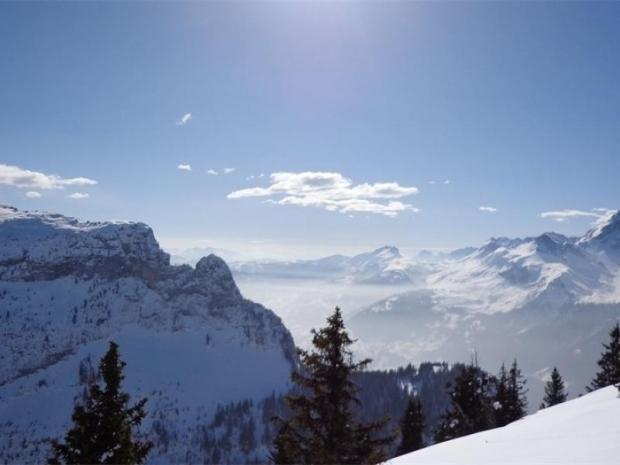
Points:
(546, 300)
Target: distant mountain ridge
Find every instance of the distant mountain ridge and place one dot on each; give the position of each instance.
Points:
(547, 300)
(384, 265)
(67, 287)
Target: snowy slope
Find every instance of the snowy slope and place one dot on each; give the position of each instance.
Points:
(190, 339)
(581, 431)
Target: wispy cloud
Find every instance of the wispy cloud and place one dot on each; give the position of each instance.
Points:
(184, 167)
(229, 170)
(78, 196)
(333, 192)
(18, 177)
(33, 195)
(185, 119)
(212, 172)
(564, 215)
(488, 209)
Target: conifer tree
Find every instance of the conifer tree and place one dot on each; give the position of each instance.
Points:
(322, 428)
(554, 390)
(501, 398)
(412, 427)
(609, 363)
(470, 408)
(510, 401)
(103, 428)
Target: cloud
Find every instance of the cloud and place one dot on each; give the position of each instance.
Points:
(564, 215)
(78, 196)
(18, 177)
(447, 181)
(333, 192)
(488, 209)
(229, 170)
(183, 167)
(33, 195)
(212, 172)
(186, 118)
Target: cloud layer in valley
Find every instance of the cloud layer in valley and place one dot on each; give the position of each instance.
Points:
(333, 192)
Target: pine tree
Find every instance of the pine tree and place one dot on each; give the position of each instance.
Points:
(102, 431)
(501, 398)
(554, 390)
(322, 428)
(470, 408)
(412, 427)
(609, 363)
(510, 401)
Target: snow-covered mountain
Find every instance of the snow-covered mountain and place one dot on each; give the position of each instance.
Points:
(580, 431)
(385, 265)
(547, 300)
(190, 340)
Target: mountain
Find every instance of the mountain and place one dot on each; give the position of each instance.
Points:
(546, 300)
(579, 431)
(193, 344)
(385, 265)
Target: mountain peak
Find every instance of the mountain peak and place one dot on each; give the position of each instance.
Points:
(387, 251)
(607, 228)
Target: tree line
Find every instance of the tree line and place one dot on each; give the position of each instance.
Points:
(322, 425)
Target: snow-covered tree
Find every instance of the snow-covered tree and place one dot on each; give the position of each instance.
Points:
(554, 390)
(323, 428)
(412, 427)
(609, 363)
(103, 428)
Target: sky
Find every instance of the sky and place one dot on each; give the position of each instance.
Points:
(300, 129)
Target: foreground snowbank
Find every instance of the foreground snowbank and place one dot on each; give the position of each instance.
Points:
(581, 431)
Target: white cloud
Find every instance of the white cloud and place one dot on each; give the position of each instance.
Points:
(18, 177)
(447, 181)
(186, 118)
(183, 167)
(229, 170)
(78, 196)
(332, 192)
(212, 172)
(488, 209)
(566, 214)
(33, 195)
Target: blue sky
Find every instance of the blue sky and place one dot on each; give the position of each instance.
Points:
(516, 105)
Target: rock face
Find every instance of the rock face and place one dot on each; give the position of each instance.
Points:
(190, 339)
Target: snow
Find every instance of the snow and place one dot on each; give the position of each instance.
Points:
(581, 431)
(191, 341)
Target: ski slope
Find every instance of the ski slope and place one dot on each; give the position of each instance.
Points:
(582, 431)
